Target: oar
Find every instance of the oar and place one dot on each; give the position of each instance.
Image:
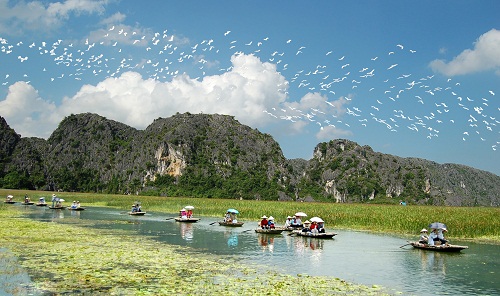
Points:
(213, 223)
(170, 218)
(405, 245)
(246, 230)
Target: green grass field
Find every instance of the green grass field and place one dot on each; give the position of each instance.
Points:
(478, 223)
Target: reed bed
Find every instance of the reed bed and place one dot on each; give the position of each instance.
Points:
(478, 223)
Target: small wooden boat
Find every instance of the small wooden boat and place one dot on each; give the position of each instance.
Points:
(9, 202)
(57, 208)
(137, 213)
(40, 204)
(30, 203)
(439, 248)
(76, 209)
(187, 220)
(314, 235)
(270, 231)
(231, 224)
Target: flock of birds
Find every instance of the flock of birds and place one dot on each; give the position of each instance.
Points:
(381, 91)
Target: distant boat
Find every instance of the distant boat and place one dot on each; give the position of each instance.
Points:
(187, 220)
(57, 208)
(76, 209)
(270, 231)
(231, 224)
(137, 213)
(41, 204)
(439, 248)
(9, 202)
(29, 203)
(314, 235)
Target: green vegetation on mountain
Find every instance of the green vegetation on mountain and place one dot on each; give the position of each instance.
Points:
(214, 156)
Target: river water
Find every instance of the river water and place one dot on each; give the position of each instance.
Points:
(357, 257)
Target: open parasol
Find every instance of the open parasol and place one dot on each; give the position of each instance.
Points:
(189, 207)
(233, 211)
(301, 214)
(437, 225)
(317, 220)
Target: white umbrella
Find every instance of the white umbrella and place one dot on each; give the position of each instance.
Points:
(301, 214)
(189, 207)
(10, 196)
(317, 220)
(61, 200)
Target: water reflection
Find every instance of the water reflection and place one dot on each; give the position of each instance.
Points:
(434, 261)
(57, 214)
(266, 242)
(186, 231)
(75, 214)
(232, 238)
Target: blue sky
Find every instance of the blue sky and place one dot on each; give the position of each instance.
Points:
(413, 79)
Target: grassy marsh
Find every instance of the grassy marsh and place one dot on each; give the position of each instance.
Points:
(478, 223)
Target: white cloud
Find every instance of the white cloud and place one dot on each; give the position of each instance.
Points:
(330, 132)
(36, 15)
(244, 92)
(27, 113)
(484, 56)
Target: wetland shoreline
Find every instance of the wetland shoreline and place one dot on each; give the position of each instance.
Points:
(77, 259)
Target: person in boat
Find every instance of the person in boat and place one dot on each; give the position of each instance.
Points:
(189, 213)
(441, 237)
(306, 228)
(41, 200)
(55, 199)
(233, 218)
(424, 237)
(77, 204)
(8, 198)
(296, 222)
(227, 217)
(321, 227)
(73, 205)
(26, 198)
(139, 209)
(270, 223)
(264, 223)
(58, 203)
(314, 227)
(134, 208)
(433, 237)
(183, 214)
(288, 221)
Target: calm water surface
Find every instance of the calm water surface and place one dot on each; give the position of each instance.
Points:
(356, 257)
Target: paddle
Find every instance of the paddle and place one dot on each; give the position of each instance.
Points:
(246, 230)
(170, 218)
(405, 245)
(213, 223)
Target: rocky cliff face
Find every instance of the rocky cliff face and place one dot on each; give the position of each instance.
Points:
(215, 155)
(349, 172)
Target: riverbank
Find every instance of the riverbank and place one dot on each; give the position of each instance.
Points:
(77, 259)
(464, 223)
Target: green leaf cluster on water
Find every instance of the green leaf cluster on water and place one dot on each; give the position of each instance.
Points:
(478, 223)
(74, 259)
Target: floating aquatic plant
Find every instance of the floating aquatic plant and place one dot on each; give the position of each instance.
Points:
(71, 259)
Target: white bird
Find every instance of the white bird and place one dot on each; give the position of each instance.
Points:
(492, 93)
